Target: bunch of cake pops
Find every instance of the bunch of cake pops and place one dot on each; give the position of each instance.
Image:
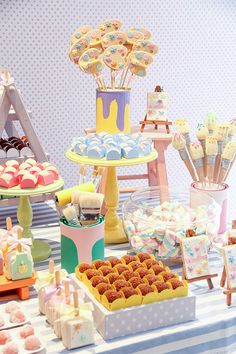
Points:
(126, 54)
(210, 158)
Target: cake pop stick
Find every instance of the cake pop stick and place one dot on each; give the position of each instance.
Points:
(179, 143)
(94, 37)
(80, 32)
(201, 133)
(115, 59)
(211, 122)
(77, 49)
(197, 154)
(211, 152)
(221, 135)
(182, 127)
(227, 159)
(232, 129)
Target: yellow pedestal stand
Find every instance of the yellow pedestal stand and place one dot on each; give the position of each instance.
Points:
(114, 231)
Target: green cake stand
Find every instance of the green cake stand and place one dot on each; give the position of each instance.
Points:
(40, 250)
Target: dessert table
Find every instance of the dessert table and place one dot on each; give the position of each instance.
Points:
(214, 330)
(114, 230)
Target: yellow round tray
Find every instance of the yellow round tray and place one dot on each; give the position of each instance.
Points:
(17, 191)
(109, 163)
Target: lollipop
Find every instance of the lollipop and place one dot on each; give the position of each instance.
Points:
(78, 48)
(132, 37)
(138, 62)
(115, 59)
(113, 38)
(80, 32)
(109, 26)
(145, 32)
(146, 46)
(91, 63)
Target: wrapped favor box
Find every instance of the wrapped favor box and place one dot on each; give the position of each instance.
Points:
(113, 324)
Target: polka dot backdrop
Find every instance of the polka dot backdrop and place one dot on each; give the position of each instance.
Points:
(196, 65)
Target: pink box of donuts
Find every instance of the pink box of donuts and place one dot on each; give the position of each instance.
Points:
(131, 320)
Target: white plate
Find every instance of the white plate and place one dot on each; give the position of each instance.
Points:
(6, 317)
(15, 335)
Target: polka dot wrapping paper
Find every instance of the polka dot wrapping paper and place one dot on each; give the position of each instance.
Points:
(195, 64)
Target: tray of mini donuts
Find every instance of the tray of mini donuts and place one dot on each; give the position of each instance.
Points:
(130, 281)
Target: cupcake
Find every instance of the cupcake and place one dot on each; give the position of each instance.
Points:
(151, 278)
(176, 283)
(143, 272)
(106, 270)
(166, 276)
(149, 263)
(157, 269)
(135, 265)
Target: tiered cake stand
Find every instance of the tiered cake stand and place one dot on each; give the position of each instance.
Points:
(114, 230)
(40, 250)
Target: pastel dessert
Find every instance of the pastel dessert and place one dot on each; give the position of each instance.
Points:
(80, 32)
(109, 26)
(32, 343)
(34, 170)
(146, 46)
(147, 34)
(26, 331)
(90, 61)
(17, 317)
(19, 265)
(25, 166)
(12, 163)
(10, 169)
(45, 178)
(113, 38)
(8, 181)
(28, 181)
(10, 348)
(54, 171)
(78, 48)
(12, 306)
(2, 322)
(5, 337)
(31, 162)
(77, 332)
(94, 38)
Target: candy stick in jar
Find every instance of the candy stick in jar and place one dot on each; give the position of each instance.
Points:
(211, 152)
(182, 127)
(221, 135)
(201, 133)
(115, 58)
(211, 122)
(79, 33)
(197, 154)
(91, 63)
(179, 143)
(227, 160)
(138, 63)
(232, 129)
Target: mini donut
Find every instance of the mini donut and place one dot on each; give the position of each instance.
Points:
(99, 263)
(80, 32)
(112, 295)
(145, 289)
(136, 281)
(78, 48)
(106, 270)
(113, 277)
(92, 273)
(133, 36)
(147, 34)
(85, 266)
(129, 258)
(146, 46)
(94, 37)
(113, 261)
(160, 286)
(128, 274)
(109, 26)
(129, 291)
(102, 287)
(98, 279)
(113, 38)
(12, 306)
(32, 343)
(89, 62)
(115, 57)
(119, 284)
(143, 256)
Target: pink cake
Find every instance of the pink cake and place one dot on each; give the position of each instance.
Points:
(8, 181)
(20, 174)
(53, 170)
(28, 181)
(24, 166)
(31, 162)
(35, 169)
(12, 163)
(10, 169)
(45, 178)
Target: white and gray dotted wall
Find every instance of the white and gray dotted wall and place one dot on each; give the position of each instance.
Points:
(196, 64)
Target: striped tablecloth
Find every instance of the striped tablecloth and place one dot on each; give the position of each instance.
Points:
(213, 331)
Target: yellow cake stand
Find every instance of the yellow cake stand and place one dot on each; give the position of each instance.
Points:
(114, 230)
(40, 250)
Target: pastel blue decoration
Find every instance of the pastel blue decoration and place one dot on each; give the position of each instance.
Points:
(21, 266)
(138, 55)
(85, 57)
(113, 153)
(96, 152)
(130, 152)
(80, 149)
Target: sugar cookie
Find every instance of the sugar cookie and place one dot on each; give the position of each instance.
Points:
(110, 26)
(80, 32)
(94, 38)
(134, 36)
(138, 70)
(115, 57)
(146, 33)
(113, 38)
(90, 62)
(140, 58)
(146, 46)
(78, 48)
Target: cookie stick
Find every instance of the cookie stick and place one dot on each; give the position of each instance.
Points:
(211, 152)
(197, 154)
(227, 160)
(201, 133)
(232, 129)
(182, 127)
(221, 135)
(211, 122)
(179, 143)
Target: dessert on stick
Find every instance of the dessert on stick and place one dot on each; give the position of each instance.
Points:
(211, 122)
(179, 143)
(183, 128)
(211, 152)
(221, 135)
(227, 159)
(197, 154)
(201, 133)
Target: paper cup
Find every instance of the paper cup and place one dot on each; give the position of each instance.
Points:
(198, 196)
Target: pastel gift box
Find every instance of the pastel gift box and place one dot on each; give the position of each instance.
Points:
(81, 244)
(19, 265)
(77, 332)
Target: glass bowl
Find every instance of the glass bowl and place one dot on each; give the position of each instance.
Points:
(157, 218)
